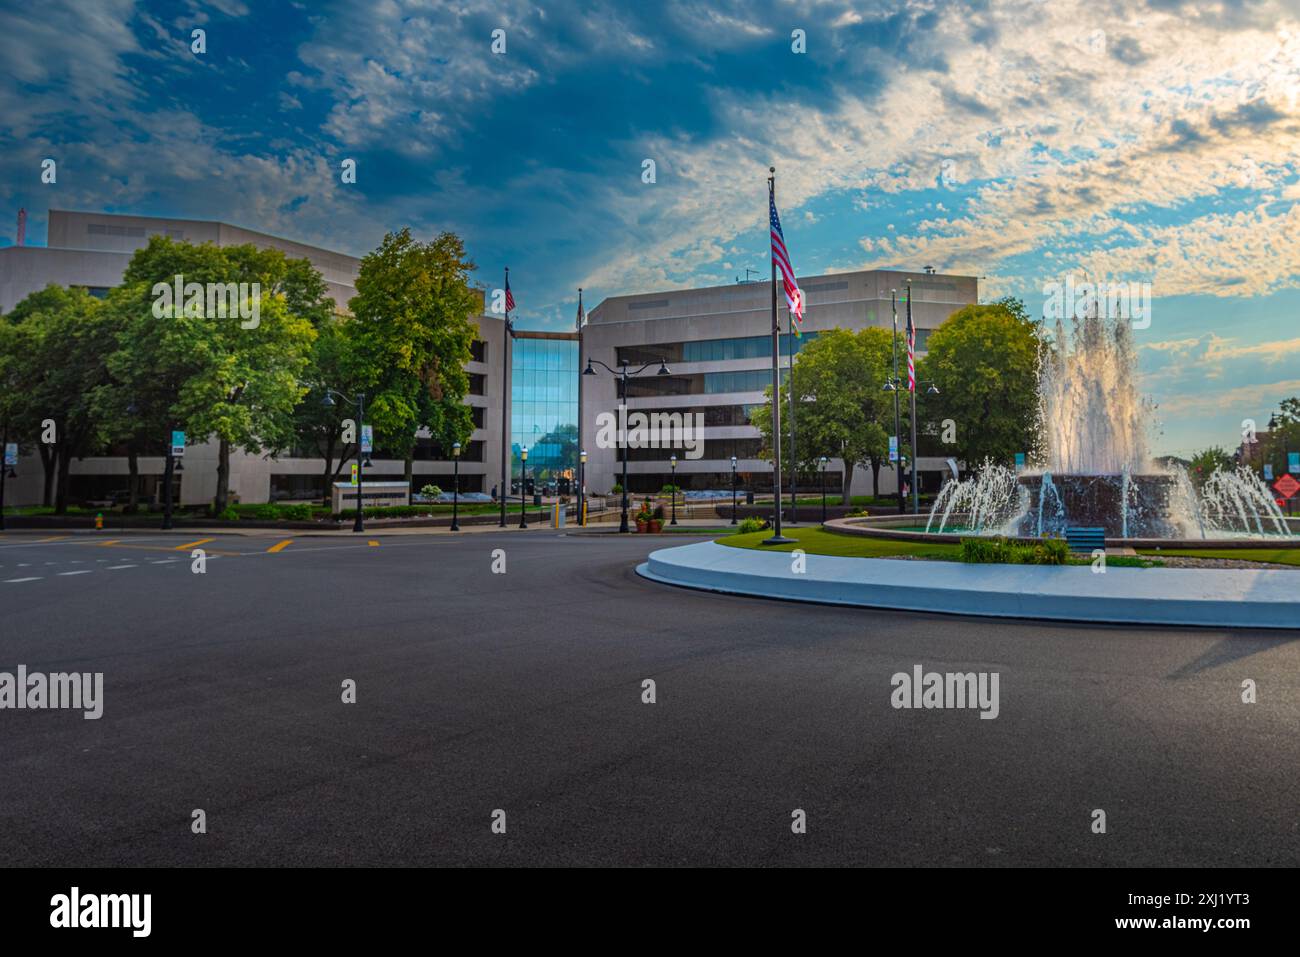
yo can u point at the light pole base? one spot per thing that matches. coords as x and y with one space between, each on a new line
778 540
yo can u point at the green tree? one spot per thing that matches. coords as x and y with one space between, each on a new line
842 410
1283 436
1204 463
53 356
409 339
984 361
216 376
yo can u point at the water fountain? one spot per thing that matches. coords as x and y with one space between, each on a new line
1094 468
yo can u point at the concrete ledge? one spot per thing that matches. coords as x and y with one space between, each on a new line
1225 598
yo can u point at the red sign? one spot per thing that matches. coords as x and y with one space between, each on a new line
1287 486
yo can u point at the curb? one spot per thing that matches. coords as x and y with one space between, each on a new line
1214 598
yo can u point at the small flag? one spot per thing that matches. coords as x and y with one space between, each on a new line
510 299
582 315
793 297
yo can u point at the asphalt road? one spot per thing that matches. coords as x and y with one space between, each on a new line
522 692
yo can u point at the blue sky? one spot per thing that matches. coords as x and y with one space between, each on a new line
1020 140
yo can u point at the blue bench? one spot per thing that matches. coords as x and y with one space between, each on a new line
1085 539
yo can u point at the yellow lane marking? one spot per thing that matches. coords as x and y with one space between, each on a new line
168 548
111 541
56 538
278 546
373 543
201 541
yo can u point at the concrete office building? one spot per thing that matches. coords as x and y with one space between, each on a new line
717 344
92 250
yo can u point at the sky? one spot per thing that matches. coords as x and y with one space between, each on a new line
1016 140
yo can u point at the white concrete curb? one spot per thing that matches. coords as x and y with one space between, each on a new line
1229 597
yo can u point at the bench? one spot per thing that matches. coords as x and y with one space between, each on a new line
1085 539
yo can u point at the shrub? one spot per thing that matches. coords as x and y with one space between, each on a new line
1052 551
229 514
431 492
617 489
269 512
999 551
296 513
670 490
750 524
658 513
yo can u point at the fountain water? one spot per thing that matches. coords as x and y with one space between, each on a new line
1095 463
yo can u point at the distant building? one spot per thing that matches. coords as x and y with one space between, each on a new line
717 344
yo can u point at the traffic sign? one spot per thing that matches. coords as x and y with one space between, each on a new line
354 473
178 443
11 453
1287 486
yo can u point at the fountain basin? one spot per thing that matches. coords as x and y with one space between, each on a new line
1133 506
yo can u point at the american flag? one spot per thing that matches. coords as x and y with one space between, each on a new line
793 297
582 316
510 299
911 346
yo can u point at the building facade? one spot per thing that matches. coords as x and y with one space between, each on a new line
716 342
92 250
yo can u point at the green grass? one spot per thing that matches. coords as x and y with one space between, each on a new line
814 541
1276 556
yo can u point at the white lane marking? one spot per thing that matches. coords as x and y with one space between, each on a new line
14 581
24 564
113 568
166 561
83 571
78 561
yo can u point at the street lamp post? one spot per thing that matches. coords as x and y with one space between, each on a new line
898 439
582 486
733 490
359 525
822 461
893 385
672 462
623 375
455 487
5 470
523 487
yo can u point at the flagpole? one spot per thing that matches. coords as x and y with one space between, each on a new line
898 438
582 477
794 457
777 538
911 385
505 406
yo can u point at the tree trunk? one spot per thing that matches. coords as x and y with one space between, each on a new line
49 459
845 498
133 479
875 478
410 467
327 477
61 493
223 477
